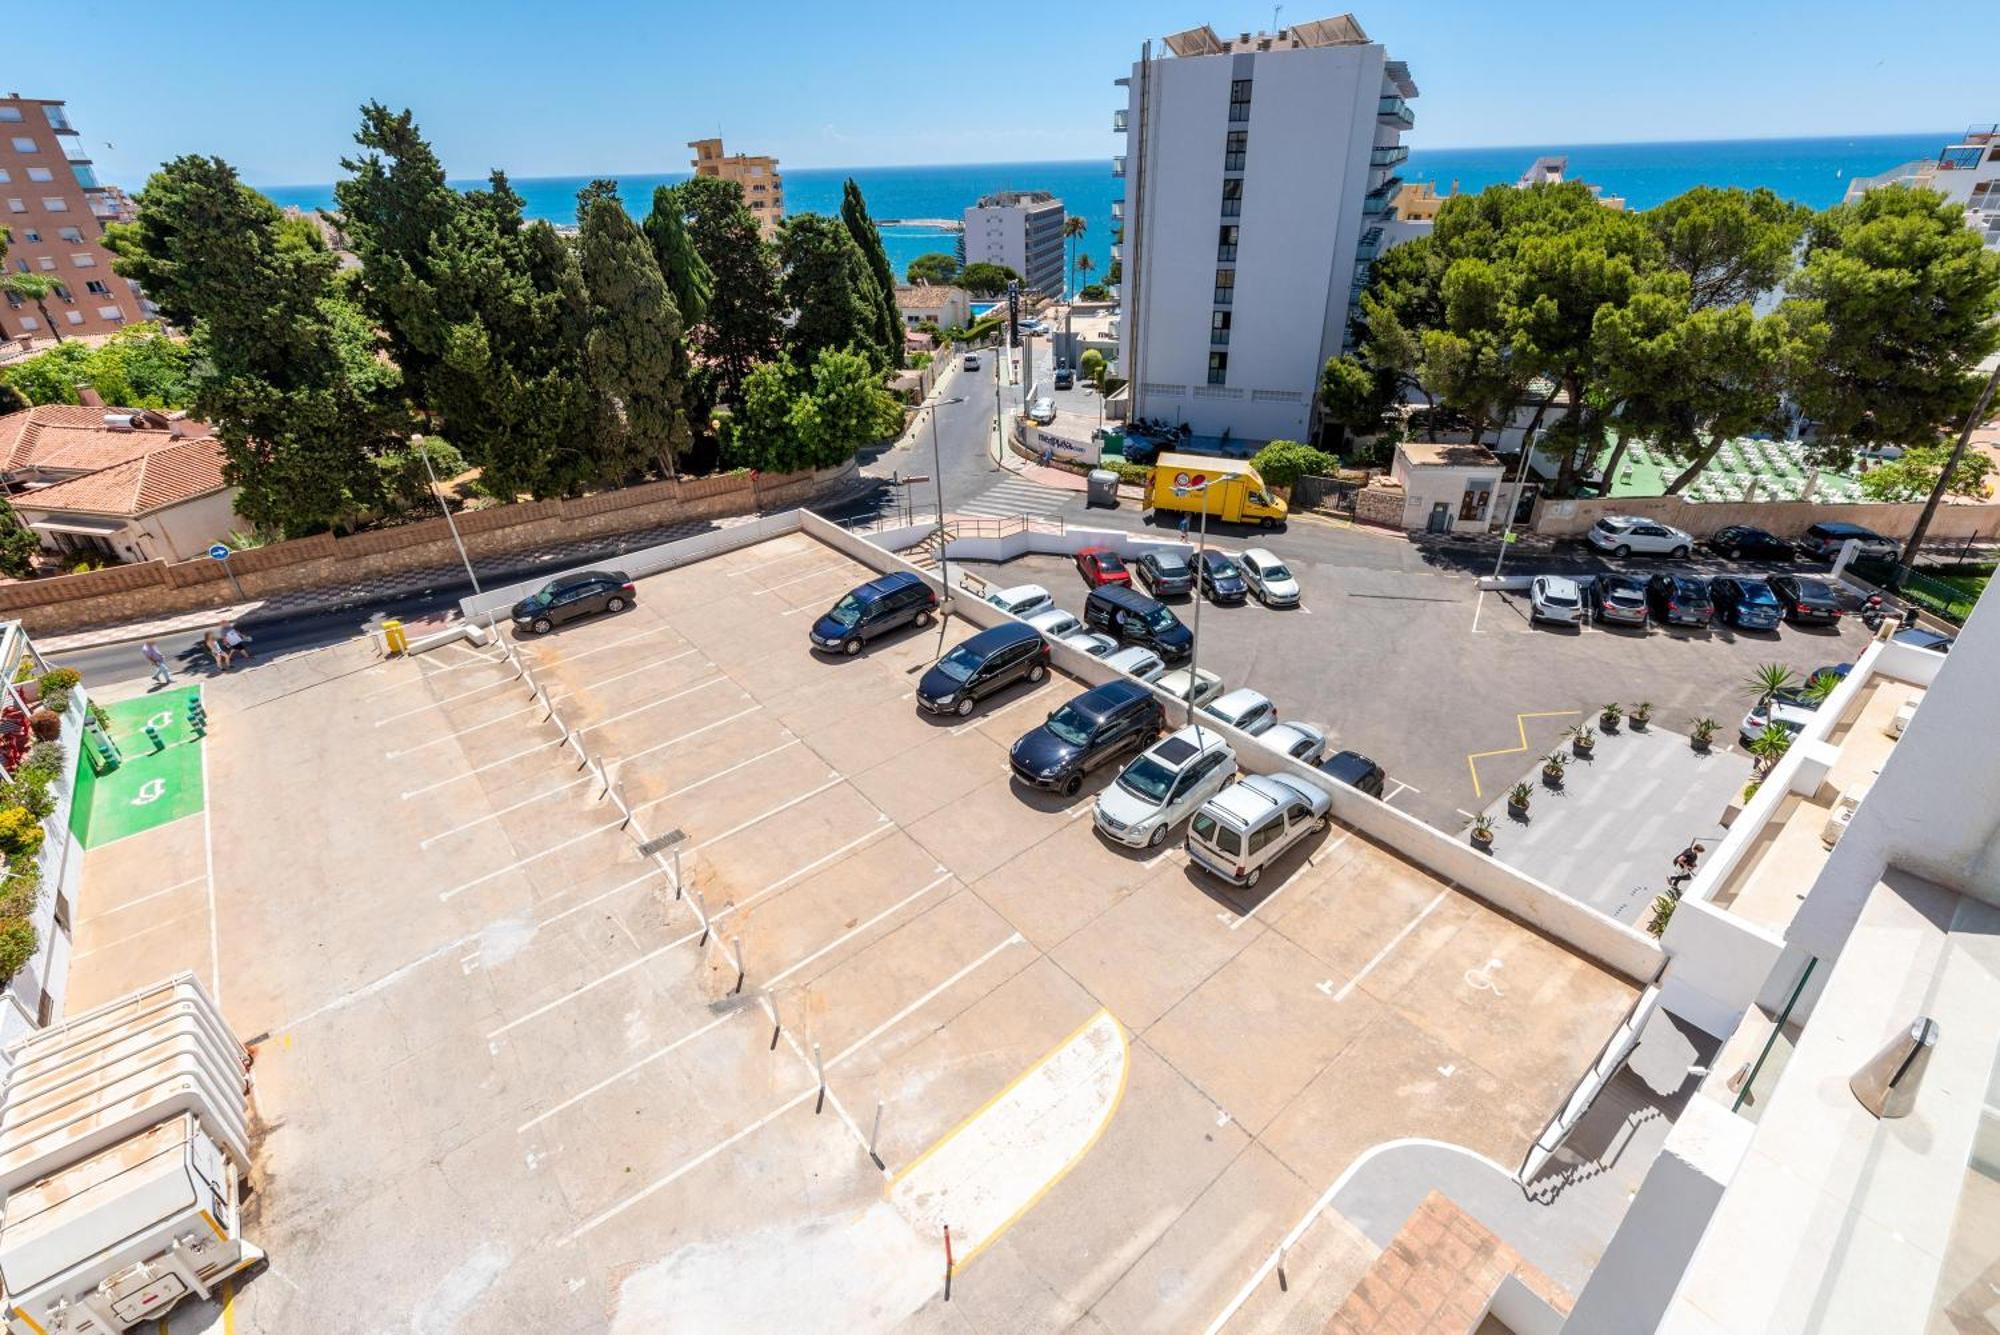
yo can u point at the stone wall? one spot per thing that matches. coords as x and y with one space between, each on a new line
158 588
1379 505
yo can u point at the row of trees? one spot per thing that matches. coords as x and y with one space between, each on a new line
1713 315
138 367
551 363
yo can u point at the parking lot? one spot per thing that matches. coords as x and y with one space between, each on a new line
1452 691
926 996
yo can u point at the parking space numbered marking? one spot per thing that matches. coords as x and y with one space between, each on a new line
1521 722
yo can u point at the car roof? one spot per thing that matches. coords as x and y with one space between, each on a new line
1214 556
999 637
1098 701
585 577
1619 579
1807 584
1133 653
1128 598
1262 554
1347 765
1238 701
1842 526
1097 550
902 579
1557 583
1168 556
1021 592
1303 731
1179 674
1255 794
1048 616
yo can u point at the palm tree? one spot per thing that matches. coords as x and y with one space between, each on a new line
1769 747
1768 680
33 287
1083 268
1073 227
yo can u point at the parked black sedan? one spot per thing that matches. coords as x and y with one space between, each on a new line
1747 604
1165 574
1741 540
567 597
1221 580
1618 600
1679 600
1806 599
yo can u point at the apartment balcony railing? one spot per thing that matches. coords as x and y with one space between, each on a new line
1118 167
73 148
85 175
1374 205
1395 111
1371 243
59 120
1389 155
1118 122
1117 254
1118 210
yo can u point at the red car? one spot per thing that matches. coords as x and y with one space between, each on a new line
1100 566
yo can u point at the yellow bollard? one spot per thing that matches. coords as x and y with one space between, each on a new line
394 641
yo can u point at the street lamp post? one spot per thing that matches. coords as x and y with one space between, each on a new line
937 469
437 493
1194 633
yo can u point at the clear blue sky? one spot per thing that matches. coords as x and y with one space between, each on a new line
619 86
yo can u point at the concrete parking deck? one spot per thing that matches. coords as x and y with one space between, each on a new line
505 1080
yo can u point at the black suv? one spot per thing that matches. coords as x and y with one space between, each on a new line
987 662
875 608
1104 722
1355 770
567 597
1165 574
1132 616
1679 600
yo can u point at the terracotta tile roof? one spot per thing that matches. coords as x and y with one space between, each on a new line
74 438
163 477
1437 1276
927 297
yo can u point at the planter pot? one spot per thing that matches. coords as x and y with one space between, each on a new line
1582 749
1518 810
1552 777
1607 724
1698 744
1483 840
1639 724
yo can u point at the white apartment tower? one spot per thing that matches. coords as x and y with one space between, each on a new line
1022 230
1258 172
1967 173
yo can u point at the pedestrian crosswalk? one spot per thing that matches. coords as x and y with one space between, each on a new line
1018 497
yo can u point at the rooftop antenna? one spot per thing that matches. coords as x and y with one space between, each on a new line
1275 11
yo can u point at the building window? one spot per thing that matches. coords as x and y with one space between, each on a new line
1239 101
83 261
1225 243
73 234
111 313
31 236
17 206
1225 286
74 317
1234 150
5 179
48 263
1218 368
94 286
23 144
1218 329
54 204
40 174
1232 197
10 114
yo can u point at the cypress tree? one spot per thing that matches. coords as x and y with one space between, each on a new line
745 315
868 237
633 348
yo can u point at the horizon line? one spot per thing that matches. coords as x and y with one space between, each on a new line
1065 162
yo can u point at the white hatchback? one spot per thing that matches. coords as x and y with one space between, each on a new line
1269 578
1197 686
1164 786
1304 742
1092 643
1251 711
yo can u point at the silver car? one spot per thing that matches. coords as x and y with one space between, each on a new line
1092 643
1141 663
1268 578
1054 623
1305 742
1248 825
1252 711
1197 686
1163 786
1622 535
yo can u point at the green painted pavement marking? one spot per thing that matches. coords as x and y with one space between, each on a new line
150 788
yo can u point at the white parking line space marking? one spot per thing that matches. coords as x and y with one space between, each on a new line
1478 606
559 693
660 1184
131 903
448 895
1400 789
601 648
832 781
741 764
1312 861
800 579
1394 941
778 560
387 719
512 806
1034 693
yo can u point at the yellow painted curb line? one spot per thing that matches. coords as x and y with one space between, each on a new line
1520 722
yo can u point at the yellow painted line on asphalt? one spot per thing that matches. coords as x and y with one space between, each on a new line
1521 722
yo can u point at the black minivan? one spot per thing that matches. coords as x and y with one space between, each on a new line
1104 722
875 608
1132 616
987 662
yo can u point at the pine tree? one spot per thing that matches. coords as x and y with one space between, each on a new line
687 274
745 315
633 350
868 238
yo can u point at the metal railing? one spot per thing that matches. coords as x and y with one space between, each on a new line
1777 1028
1940 597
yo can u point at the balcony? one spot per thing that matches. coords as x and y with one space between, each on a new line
58 120
1371 244
1395 111
1118 167
73 148
1388 155
85 176
1118 210
1218 338
1117 254
1118 122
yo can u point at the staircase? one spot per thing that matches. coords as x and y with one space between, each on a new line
924 556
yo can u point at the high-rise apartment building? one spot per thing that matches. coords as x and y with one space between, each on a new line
1967 173
54 210
1258 171
763 188
1023 230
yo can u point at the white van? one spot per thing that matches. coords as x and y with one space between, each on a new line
1245 827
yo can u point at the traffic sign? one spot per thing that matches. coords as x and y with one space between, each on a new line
219 552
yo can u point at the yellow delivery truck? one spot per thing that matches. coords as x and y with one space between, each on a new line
1234 495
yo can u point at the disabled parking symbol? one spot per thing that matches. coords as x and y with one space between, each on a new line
152 790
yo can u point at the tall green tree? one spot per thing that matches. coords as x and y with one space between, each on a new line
827 284
287 370
1914 475
1073 227
810 417
1904 300
1733 245
689 279
868 240
745 314
982 279
633 350
934 267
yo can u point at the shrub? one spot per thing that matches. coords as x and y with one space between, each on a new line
56 702
1130 472
43 758
17 946
22 891
1282 462
20 832
58 679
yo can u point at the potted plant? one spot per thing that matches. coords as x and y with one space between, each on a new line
1642 714
1663 911
1702 732
1769 747
1581 740
1552 769
1609 716
1482 833
1517 800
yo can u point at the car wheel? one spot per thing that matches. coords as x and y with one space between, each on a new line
615 605
1073 785
1250 881
1319 826
852 647
1158 837
1681 552
965 707
923 619
1623 549
542 626
1036 673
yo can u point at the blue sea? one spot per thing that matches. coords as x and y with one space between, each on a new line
1814 172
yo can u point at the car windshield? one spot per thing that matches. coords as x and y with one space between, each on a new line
1069 725
959 664
1626 594
1758 594
544 598
847 611
1220 567
1147 778
1276 572
1160 619
1812 588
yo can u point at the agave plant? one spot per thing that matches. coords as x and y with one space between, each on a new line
1702 731
1768 680
1819 687
1608 717
1519 796
1553 765
1769 747
1642 713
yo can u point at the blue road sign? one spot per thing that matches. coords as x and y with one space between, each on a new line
219 552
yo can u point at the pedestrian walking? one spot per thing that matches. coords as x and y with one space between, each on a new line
161 675
235 641
1184 528
212 642
1684 866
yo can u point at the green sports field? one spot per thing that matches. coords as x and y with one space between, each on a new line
150 788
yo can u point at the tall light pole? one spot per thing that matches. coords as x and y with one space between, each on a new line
1194 633
437 493
937 469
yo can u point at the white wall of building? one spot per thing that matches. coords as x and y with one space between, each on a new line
183 532
1025 237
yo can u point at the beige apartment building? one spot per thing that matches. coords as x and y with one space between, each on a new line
54 209
763 188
